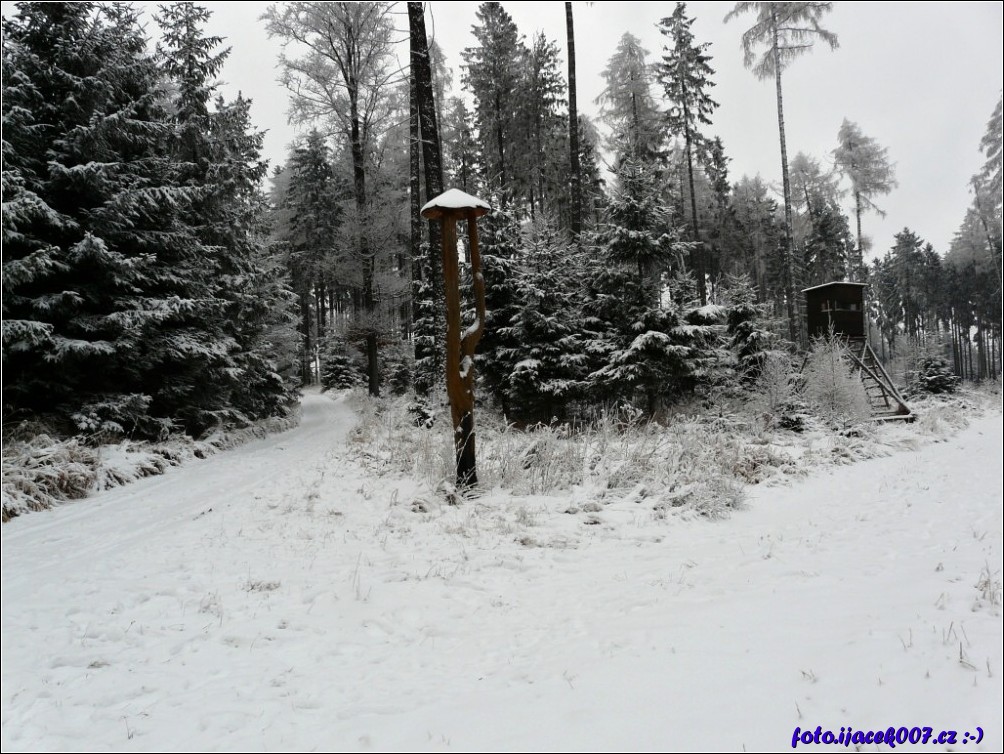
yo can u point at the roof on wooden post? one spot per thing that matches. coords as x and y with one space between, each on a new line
455 202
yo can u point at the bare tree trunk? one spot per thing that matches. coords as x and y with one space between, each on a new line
759 265
415 204
573 128
368 262
991 351
431 154
307 369
859 263
994 242
322 321
956 355
794 330
995 353
698 255
500 142
981 364
967 339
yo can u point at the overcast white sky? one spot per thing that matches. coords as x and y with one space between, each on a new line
920 78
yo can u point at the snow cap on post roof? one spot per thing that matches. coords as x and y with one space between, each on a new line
455 202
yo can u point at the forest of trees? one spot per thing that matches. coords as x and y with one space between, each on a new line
158 276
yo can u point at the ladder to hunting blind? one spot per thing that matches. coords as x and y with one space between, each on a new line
886 401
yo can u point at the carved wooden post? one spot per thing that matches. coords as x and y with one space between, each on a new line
449 207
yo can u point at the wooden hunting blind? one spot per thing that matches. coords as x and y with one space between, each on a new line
839 307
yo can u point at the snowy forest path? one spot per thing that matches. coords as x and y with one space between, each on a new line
148 574
80 531
282 597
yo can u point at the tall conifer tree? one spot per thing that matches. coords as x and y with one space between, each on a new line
867 166
98 269
686 73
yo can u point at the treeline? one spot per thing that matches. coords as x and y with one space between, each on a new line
602 285
150 284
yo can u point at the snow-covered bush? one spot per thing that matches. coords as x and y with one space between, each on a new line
832 385
775 394
340 368
397 370
936 376
41 470
750 336
905 362
687 464
690 465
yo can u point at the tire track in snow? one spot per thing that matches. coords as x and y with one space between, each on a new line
83 530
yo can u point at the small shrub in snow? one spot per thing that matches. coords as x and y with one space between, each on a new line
832 385
340 372
753 464
749 333
397 367
793 416
714 497
853 447
989 587
40 471
399 377
341 368
776 393
422 414
935 376
127 461
905 362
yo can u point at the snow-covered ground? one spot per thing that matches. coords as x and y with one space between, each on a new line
278 596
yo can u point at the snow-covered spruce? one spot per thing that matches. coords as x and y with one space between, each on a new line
139 293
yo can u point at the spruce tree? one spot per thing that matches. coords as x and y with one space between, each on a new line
492 75
499 251
821 229
761 237
313 206
686 73
750 339
88 260
542 168
545 354
133 299
722 229
219 160
637 341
